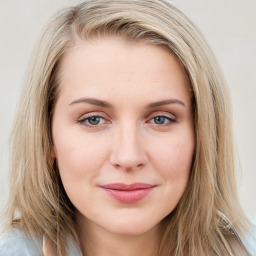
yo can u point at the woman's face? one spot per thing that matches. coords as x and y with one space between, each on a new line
123 133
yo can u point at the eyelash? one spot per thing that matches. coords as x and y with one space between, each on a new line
84 121
167 119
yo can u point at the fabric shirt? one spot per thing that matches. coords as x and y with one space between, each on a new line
249 240
16 243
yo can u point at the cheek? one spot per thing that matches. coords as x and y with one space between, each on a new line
173 159
79 156
79 161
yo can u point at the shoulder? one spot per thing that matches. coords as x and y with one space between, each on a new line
72 248
249 238
15 241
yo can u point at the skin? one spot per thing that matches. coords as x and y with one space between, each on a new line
129 144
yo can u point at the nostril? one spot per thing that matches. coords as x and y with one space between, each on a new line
128 167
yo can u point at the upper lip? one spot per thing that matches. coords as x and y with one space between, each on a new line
127 187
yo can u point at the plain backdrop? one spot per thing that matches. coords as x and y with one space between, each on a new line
228 25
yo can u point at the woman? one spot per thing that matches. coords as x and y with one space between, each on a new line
122 144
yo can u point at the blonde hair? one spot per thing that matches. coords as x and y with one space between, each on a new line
38 200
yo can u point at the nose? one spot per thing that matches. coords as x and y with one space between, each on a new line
128 152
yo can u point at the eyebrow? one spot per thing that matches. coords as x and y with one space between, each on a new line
165 102
92 101
102 103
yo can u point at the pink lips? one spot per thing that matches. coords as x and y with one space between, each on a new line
128 193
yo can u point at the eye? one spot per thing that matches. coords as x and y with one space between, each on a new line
92 120
162 120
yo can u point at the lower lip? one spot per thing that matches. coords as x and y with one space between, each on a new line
128 196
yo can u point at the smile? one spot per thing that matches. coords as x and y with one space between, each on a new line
128 193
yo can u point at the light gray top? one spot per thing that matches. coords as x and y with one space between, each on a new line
16 243
249 240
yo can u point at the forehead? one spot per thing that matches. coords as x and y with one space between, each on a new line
112 64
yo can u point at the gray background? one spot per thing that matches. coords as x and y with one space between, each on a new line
228 25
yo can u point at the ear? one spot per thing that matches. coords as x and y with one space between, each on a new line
53 155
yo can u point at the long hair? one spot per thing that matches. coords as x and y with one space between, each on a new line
38 203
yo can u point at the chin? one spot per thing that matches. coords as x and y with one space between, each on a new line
132 228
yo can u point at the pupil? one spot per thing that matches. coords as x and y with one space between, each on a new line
94 120
159 119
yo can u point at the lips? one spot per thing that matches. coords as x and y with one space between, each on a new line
130 193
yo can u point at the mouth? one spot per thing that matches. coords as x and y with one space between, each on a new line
130 193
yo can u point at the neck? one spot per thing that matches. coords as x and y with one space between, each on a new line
96 241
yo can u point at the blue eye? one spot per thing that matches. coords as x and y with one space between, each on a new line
163 120
159 119
92 121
